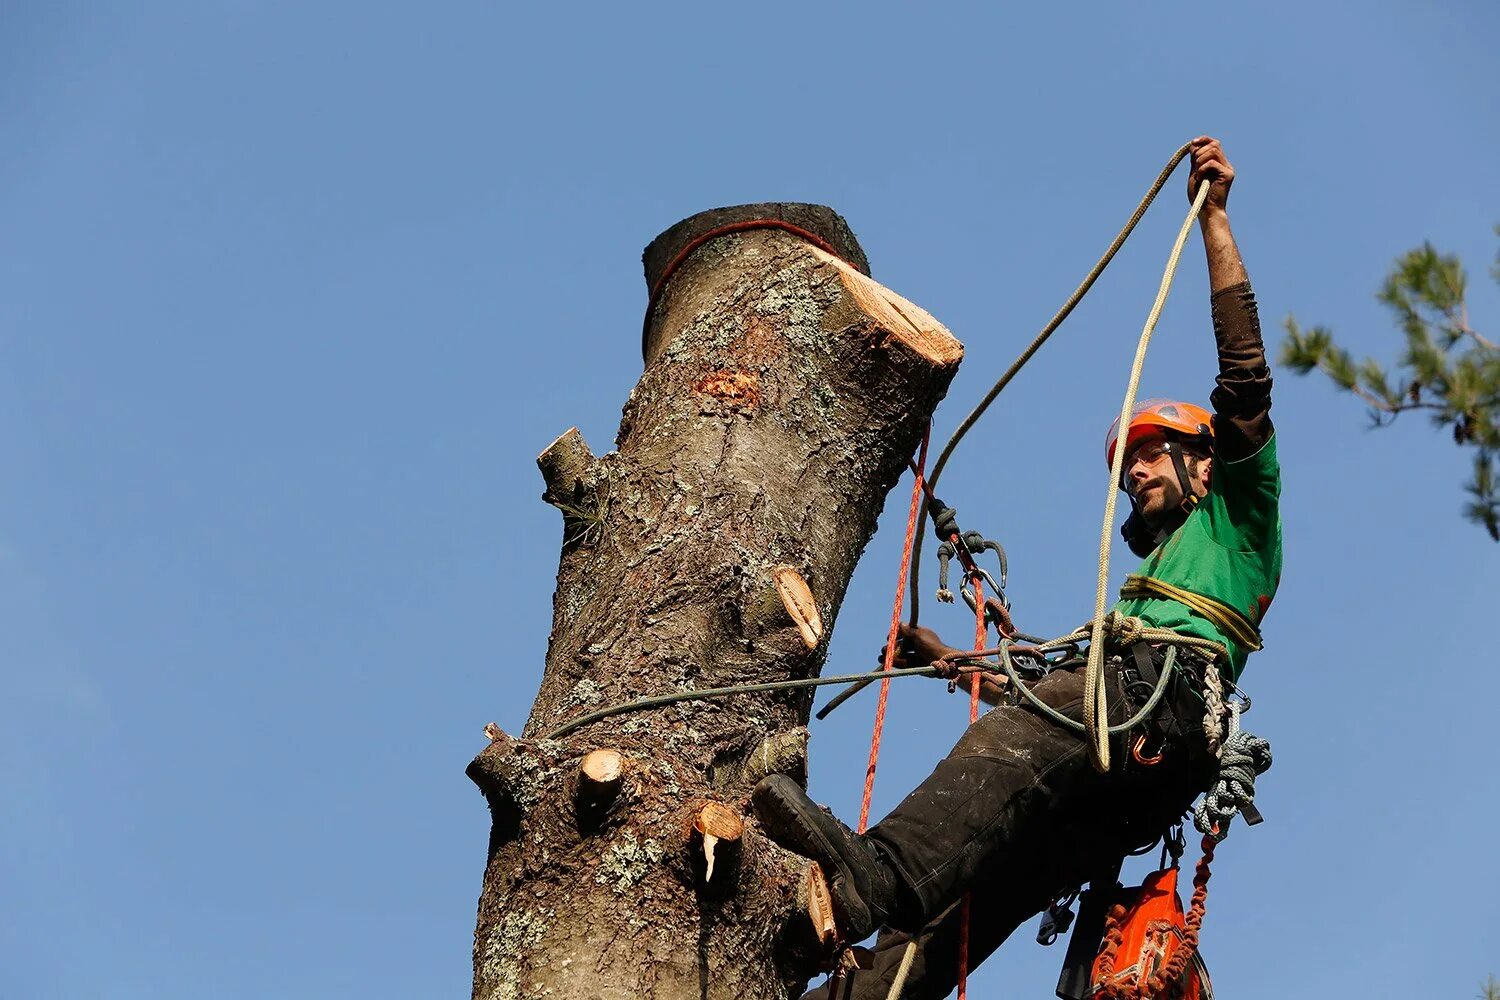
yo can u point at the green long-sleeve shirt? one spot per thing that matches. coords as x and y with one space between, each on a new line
1229 547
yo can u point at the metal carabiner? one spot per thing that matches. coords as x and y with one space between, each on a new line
977 544
990 615
1144 761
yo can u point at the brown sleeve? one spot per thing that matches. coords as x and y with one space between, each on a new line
1242 399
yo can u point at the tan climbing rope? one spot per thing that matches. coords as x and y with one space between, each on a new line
1095 692
904 970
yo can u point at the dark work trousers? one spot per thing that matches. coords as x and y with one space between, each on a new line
1018 815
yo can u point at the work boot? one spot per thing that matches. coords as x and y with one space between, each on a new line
863 885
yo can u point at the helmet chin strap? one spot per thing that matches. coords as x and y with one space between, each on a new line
1189 497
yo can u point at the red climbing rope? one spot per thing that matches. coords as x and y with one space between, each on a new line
912 519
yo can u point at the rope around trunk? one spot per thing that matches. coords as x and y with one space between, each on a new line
704 694
1095 692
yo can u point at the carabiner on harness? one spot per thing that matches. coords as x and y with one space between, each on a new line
1056 919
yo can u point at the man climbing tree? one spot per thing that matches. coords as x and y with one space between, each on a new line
1016 813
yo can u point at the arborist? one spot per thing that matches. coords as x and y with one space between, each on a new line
1016 813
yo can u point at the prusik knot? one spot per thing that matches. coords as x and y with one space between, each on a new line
1124 629
944 519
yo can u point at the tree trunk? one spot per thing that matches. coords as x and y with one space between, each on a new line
783 393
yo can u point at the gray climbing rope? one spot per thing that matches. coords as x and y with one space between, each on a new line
705 694
1242 757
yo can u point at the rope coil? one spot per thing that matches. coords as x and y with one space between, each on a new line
1244 756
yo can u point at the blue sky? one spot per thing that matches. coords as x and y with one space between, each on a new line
293 294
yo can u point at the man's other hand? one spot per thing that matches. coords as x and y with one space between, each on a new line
917 646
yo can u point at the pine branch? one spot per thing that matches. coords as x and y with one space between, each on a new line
1484 509
1459 387
1462 325
1306 350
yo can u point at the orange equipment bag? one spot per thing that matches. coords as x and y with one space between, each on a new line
1150 949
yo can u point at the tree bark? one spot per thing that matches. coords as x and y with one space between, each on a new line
783 394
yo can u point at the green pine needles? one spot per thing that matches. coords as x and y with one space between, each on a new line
1447 368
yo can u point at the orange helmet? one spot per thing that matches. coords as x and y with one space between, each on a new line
1179 420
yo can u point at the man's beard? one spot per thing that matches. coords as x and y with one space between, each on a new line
1154 499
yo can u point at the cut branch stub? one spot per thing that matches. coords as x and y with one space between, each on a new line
779 753
601 770
599 776
719 828
494 770
797 597
498 773
566 464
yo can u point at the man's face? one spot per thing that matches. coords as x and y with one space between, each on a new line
1151 477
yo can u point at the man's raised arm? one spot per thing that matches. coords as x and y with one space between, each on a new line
1242 398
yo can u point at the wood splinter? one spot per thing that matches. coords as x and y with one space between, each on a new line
716 823
820 906
797 597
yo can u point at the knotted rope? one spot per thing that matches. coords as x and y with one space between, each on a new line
1242 757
